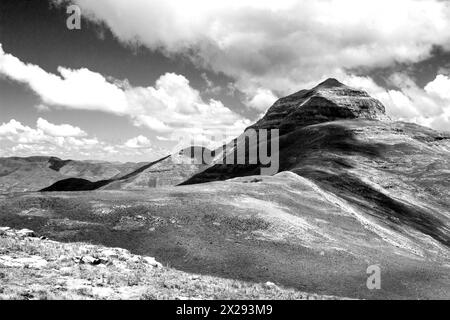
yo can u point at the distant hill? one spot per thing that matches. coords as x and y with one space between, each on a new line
168 171
35 173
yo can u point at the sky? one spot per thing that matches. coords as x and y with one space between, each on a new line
140 75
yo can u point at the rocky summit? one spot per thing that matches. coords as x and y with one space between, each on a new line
330 100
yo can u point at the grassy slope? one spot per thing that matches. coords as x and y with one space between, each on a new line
367 192
51 271
283 229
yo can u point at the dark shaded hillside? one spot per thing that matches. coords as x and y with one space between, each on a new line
56 163
397 172
168 171
74 184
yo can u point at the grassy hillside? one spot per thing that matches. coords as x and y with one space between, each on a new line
284 229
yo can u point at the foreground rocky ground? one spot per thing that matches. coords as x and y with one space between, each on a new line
33 267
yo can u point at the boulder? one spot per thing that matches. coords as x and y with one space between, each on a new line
26 233
110 253
90 260
151 261
32 262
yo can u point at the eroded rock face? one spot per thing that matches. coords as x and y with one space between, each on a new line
329 101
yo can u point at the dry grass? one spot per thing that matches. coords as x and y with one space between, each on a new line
125 276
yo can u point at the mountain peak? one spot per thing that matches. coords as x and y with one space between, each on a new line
330 100
330 83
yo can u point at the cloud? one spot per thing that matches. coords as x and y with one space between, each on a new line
439 87
210 87
67 141
139 142
280 45
168 106
428 106
262 99
63 130
171 105
46 133
75 89
286 45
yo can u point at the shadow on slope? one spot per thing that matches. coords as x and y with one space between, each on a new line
193 231
323 153
75 184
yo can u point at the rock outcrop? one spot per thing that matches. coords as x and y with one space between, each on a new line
329 101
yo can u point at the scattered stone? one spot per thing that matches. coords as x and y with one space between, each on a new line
32 262
110 253
66 270
151 261
90 260
26 233
83 251
270 285
63 258
5 229
7 261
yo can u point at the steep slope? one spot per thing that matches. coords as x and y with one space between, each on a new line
394 171
169 171
34 173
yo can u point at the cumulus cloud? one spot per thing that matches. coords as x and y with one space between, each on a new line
62 130
262 99
45 133
76 89
439 87
67 141
279 45
170 105
139 142
428 106
286 45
